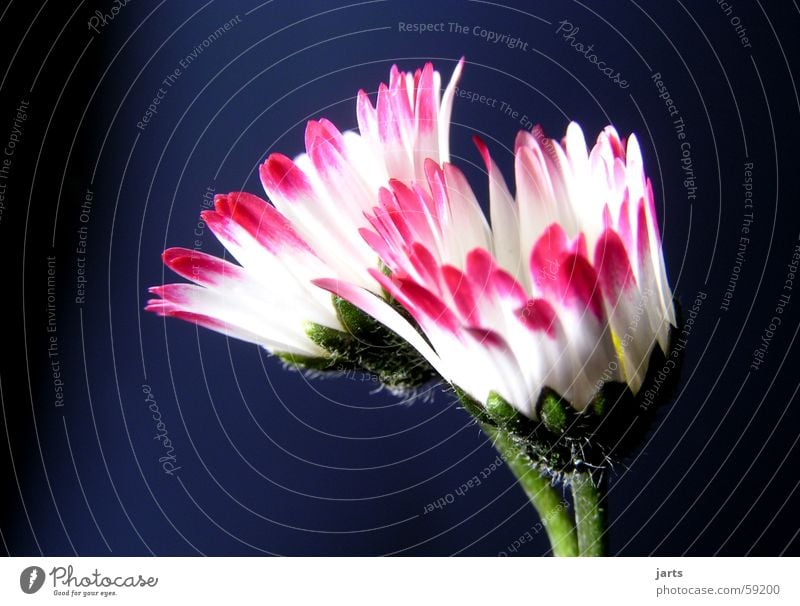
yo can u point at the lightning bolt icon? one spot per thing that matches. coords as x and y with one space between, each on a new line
32 579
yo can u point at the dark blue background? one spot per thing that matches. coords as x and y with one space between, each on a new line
273 463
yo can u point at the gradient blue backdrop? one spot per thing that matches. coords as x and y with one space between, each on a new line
272 463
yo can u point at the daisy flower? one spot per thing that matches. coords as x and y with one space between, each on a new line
566 290
374 253
309 228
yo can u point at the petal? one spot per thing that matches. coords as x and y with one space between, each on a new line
426 112
260 219
283 180
612 265
546 257
446 111
199 267
504 215
461 291
237 316
626 308
577 281
420 302
539 315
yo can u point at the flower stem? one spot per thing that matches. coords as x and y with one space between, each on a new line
589 501
553 512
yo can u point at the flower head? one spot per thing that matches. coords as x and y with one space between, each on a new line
310 229
374 254
325 192
268 299
566 290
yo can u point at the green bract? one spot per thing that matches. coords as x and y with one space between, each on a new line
364 346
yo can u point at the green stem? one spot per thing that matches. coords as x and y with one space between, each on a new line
553 512
589 512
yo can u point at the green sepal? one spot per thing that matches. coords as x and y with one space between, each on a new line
554 411
501 412
368 346
353 320
331 340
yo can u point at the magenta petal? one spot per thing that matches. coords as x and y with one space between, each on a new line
425 302
617 146
386 227
427 105
546 257
462 293
199 267
394 76
408 200
435 178
488 337
479 268
400 102
399 220
484 152
325 156
173 295
414 204
421 303
378 244
324 130
507 287
387 199
388 125
403 208
539 315
579 246
260 219
281 175
159 307
577 282
612 265
425 263
222 227
404 196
